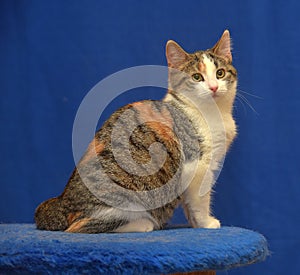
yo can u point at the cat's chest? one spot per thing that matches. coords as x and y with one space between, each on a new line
215 131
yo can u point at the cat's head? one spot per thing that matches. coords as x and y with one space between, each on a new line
207 74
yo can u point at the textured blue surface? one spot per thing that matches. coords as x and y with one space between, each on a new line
23 249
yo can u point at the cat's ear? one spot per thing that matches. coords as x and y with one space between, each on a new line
223 47
175 54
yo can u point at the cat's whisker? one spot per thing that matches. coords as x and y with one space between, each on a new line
242 103
246 101
249 94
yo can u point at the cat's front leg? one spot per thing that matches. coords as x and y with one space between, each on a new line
197 211
198 214
197 206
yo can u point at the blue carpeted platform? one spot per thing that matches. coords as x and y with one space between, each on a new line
25 250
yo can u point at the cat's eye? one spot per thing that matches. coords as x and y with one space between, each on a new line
220 73
197 77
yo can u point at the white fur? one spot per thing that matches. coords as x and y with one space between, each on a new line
209 76
142 225
215 144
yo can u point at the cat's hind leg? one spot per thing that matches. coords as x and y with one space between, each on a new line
91 225
106 219
88 225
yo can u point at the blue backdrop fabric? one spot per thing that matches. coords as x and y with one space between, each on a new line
53 52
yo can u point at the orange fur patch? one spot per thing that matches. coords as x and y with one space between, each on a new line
147 114
202 67
76 226
95 148
72 217
163 131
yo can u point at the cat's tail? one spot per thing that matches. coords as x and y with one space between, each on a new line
50 215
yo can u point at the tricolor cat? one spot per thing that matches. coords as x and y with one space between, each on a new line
126 182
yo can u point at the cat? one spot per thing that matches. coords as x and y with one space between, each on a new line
93 200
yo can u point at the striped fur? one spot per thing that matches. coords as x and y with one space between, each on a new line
185 141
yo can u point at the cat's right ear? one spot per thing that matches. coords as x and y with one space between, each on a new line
175 54
223 47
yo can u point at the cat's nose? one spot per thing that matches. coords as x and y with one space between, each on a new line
213 88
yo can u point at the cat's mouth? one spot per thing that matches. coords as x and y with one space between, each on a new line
218 94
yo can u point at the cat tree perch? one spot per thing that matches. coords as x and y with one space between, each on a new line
25 250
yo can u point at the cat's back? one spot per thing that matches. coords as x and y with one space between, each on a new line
136 147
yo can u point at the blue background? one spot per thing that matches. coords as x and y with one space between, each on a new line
53 52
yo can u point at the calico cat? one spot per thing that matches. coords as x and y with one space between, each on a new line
166 152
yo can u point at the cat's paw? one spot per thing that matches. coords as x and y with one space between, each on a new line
211 222
142 225
145 226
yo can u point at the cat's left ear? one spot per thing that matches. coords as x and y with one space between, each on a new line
175 54
223 47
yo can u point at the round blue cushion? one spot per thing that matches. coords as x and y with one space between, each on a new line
23 249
